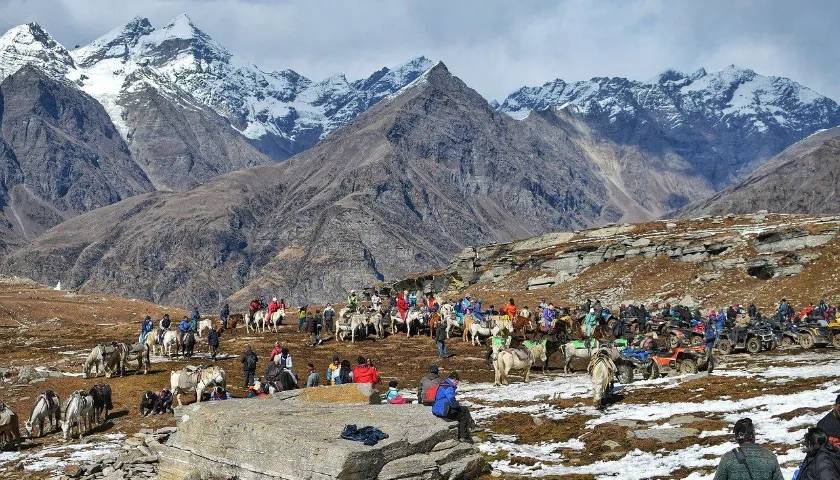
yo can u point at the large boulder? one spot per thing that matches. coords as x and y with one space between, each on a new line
285 437
360 393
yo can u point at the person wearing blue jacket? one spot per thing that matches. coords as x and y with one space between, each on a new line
710 337
446 406
145 328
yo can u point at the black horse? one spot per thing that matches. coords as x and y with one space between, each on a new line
101 394
187 344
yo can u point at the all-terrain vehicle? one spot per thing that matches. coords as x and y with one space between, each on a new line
834 332
687 335
813 334
683 360
753 338
631 360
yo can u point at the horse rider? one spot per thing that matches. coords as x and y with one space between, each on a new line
352 301
195 316
412 299
145 328
273 306
376 301
163 326
224 315
254 306
548 315
589 323
183 328
432 303
402 305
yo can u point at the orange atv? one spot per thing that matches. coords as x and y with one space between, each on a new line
683 360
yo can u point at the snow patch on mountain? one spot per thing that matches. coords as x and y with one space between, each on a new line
30 44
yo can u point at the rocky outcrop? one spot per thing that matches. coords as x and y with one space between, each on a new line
284 437
761 247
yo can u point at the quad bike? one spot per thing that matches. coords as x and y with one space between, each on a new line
752 338
658 324
834 332
812 334
631 361
683 335
683 360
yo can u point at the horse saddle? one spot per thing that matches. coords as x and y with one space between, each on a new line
108 349
523 355
582 344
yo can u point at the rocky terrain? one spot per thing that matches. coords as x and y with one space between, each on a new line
60 155
723 124
404 186
709 261
801 179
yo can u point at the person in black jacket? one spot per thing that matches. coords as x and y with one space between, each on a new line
224 315
830 423
249 365
213 342
822 459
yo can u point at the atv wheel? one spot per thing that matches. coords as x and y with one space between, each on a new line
726 347
754 345
835 340
696 340
806 340
653 371
787 342
688 366
674 341
625 374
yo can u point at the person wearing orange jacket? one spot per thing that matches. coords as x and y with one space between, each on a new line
510 309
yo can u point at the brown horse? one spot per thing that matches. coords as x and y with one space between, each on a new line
234 320
434 318
523 325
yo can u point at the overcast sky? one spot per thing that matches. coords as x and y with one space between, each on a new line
494 46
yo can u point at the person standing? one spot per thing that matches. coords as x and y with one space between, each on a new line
329 316
709 339
213 342
440 338
822 459
830 423
224 315
301 318
748 461
249 365
318 321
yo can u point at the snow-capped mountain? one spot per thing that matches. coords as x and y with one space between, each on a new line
282 111
30 44
724 122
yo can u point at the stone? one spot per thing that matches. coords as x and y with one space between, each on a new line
73 471
684 419
351 393
107 470
420 446
26 375
611 444
663 435
535 283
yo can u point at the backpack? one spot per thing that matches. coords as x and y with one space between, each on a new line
431 393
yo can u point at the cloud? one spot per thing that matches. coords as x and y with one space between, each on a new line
495 46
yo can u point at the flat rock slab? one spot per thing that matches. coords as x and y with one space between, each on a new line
664 435
285 437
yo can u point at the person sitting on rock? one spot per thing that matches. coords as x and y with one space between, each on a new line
345 373
332 370
274 351
393 396
447 406
219 393
428 386
365 372
312 377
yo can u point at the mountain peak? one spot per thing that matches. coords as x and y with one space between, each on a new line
115 44
30 44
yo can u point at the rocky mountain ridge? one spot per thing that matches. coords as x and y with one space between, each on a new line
723 123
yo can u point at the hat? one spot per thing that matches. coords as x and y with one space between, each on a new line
591 310
744 430
434 369
274 299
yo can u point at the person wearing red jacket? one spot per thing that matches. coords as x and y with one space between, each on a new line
402 305
510 309
274 351
254 306
273 306
365 372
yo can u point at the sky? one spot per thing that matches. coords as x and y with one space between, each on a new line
494 46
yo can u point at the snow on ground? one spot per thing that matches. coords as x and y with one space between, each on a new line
57 456
775 417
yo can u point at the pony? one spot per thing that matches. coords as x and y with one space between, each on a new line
601 370
475 329
517 359
342 325
153 343
277 320
77 414
581 349
253 322
101 395
47 407
187 344
170 342
378 321
9 427
233 321
142 353
412 320
195 379
524 325
105 358
203 326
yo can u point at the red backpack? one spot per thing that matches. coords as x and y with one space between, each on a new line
431 393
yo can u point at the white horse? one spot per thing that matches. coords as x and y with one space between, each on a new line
276 319
195 379
477 330
517 359
78 414
447 314
582 349
203 326
47 407
170 342
342 326
9 429
255 322
412 317
378 321
601 370
105 358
